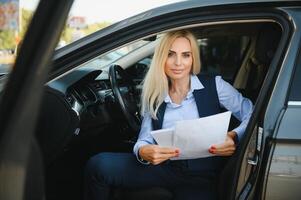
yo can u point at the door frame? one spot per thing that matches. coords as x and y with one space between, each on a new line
19 105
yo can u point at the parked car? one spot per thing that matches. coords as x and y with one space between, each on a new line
4 69
55 115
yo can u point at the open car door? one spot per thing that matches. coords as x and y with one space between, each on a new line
21 169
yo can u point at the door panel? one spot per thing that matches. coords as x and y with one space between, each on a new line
284 178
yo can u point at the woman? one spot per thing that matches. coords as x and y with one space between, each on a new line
172 91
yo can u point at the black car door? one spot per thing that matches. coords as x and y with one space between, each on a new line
265 141
20 164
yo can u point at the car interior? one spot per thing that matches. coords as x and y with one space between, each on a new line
96 109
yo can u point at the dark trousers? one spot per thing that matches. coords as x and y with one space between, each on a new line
186 180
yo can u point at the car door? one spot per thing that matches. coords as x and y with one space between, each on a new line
270 166
20 162
283 171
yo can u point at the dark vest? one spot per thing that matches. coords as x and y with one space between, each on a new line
207 103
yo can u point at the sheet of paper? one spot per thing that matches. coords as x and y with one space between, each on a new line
163 137
194 137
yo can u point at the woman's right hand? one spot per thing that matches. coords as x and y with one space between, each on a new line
156 154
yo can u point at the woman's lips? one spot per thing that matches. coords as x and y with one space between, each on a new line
177 71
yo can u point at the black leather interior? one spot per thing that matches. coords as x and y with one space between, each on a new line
266 45
56 126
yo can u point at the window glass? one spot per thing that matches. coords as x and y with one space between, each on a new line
295 94
105 59
223 55
87 17
15 16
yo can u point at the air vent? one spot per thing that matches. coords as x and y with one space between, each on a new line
87 94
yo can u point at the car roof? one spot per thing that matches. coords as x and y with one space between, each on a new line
190 4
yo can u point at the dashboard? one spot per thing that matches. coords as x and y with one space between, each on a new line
83 90
79 103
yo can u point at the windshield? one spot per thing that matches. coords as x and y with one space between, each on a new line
105 59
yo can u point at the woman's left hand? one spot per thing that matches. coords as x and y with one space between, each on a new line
226 148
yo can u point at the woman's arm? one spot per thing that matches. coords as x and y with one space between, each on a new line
233 101
144 137
240 107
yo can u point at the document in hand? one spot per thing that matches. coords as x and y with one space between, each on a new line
164 137
194 137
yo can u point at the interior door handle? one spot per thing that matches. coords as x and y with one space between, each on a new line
253 161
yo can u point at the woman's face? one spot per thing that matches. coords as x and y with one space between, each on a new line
179 60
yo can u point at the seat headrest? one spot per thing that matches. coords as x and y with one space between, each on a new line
267 43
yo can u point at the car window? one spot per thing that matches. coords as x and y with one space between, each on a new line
105 59
86 18
15 16
295 94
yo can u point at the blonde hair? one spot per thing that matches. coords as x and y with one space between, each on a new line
155 85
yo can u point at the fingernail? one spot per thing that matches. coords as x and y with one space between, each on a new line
213 147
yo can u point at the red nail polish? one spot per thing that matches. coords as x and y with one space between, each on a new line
213 147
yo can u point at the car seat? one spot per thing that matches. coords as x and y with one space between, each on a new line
258 64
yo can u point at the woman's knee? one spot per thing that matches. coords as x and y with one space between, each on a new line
109 168
99 166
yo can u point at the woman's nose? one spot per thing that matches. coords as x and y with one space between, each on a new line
178 60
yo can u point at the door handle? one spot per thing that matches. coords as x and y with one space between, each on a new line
253 161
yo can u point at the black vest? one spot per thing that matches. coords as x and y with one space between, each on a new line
207 103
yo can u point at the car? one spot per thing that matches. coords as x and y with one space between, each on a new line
56 111
4 69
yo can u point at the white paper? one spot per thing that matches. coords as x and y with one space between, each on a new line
194 137
164 137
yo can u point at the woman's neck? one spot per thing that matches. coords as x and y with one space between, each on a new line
179 89
180 86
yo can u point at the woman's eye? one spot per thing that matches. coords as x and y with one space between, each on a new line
170 54
186 55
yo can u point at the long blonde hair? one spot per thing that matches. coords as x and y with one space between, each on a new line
155 85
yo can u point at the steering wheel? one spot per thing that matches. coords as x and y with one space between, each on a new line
125 96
